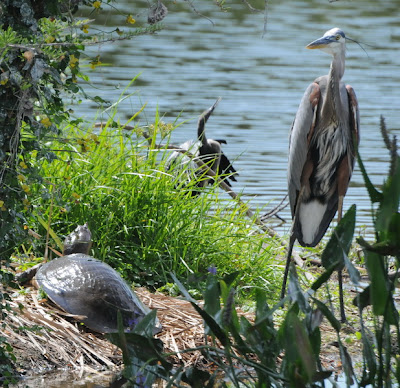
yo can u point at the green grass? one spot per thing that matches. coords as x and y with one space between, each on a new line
141 224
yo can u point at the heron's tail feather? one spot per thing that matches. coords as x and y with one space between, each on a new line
313 220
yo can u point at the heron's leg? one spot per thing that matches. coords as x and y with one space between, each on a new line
291 242
340 277
341 301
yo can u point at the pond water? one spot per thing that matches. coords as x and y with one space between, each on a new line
68 379
261 78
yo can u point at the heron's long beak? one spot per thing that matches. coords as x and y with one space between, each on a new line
319 43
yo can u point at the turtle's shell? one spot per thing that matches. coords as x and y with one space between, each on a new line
82 285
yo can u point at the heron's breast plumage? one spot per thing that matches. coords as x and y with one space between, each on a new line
328 149
331 138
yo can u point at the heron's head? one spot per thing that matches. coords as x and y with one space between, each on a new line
333 42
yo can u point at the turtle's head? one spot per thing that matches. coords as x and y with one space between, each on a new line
79 241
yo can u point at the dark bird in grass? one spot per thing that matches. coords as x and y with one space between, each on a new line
208 151
322 149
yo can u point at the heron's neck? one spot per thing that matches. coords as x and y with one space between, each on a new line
332 103
338 65
201 135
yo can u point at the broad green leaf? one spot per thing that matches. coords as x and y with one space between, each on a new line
239 330
138 346
147 325
369 356
261 304
397 368
354 274
208 319
224 291
230 278
394 233
378 287
213 325
228 311
212 296
389 247
347 364
295 291
328 314
340 241
363 299
315 340
381 298
324 277
321 376
182 289
298 350
316 318
195 377
389 204
374 194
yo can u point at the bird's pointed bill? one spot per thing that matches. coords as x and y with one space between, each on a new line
320 43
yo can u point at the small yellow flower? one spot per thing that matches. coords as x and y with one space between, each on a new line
26 227
63 210
50 39
96 62
73 61
85 28
1 203
21 178
130 19
26 203
97 4
76 196
46 122
26 188
23 164
94 138
4 81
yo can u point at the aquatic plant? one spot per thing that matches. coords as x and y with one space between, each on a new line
246 353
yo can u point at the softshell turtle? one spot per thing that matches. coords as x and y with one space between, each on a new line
82 285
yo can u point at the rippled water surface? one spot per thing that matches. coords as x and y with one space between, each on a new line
261 79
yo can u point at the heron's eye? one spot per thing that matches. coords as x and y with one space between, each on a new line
337 37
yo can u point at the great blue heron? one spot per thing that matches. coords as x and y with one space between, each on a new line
207 150
322 147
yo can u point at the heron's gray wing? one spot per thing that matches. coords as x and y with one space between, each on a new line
226 168
354 118
182 166
302 128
